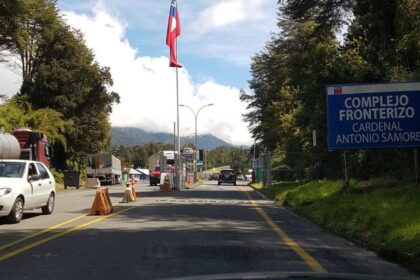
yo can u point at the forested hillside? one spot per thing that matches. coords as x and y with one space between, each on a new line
132 136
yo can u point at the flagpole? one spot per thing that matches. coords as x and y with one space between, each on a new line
170 37
178 175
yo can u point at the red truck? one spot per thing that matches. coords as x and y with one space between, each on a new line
25 144
154 175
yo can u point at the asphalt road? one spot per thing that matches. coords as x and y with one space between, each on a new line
207 230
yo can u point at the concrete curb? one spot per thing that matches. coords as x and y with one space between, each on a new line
198 183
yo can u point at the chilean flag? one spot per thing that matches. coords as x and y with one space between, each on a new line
338 90
174 30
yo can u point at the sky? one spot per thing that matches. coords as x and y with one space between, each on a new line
218 39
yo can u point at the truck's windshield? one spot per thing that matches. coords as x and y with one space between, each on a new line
12 169
157 168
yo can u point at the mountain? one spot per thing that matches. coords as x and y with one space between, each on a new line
131 136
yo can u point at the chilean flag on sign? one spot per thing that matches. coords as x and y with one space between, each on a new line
174 30
338 90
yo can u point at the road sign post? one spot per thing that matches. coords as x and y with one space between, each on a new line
346 172
416 166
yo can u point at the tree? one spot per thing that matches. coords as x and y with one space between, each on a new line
66 78
23 24
137 156
17 115
237 158
328 14
59 75
289 76
288 80
386 34
240 160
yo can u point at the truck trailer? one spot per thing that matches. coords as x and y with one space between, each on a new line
25 144
105 167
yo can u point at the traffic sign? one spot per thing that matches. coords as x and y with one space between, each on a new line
369 116
257 163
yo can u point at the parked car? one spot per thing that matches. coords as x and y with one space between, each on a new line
214 176
25 185
227 176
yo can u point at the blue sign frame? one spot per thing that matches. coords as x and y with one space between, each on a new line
373 116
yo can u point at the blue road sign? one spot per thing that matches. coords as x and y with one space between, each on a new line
370 116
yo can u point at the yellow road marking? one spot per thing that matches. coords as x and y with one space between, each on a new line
68 231
35 234
306 257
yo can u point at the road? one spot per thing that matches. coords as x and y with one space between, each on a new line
207 230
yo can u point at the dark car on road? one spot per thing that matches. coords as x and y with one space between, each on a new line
227 176
154 177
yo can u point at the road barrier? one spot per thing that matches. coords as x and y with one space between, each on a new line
190 180
92 183
133 188
128 194
102 204
166 187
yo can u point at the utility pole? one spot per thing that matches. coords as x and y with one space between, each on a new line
205 164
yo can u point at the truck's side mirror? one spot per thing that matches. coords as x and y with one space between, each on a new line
34 177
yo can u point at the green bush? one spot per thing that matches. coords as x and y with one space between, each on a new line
58 176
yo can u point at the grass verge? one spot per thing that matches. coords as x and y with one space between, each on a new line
382 215
257 186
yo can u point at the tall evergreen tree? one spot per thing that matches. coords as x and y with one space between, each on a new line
66 78
289 76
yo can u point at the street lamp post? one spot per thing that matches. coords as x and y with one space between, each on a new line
196 137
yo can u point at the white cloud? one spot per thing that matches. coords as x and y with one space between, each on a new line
219 15
222 14
147 85
231 30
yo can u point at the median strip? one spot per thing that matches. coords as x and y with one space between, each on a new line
305 256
